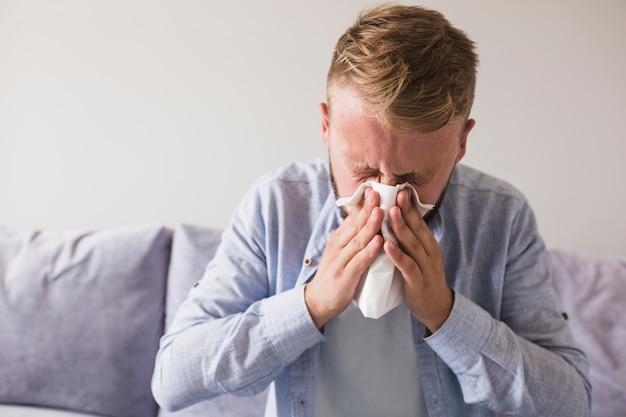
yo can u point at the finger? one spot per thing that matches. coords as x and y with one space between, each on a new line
364 258
346 246
405 201
405 263
410 239
410 223
364 237
358 217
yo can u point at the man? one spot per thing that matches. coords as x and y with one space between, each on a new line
479 332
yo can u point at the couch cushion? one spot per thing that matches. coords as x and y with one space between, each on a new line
192 249
81 317
28 411
592 290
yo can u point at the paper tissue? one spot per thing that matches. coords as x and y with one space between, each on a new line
381 290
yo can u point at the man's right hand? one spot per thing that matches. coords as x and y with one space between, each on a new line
350 251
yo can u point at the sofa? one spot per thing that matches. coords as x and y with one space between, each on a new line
82 312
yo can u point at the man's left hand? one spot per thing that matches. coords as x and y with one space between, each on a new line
418 257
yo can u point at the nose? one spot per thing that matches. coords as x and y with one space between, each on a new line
388 179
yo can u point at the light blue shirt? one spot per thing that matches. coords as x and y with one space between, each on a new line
505 348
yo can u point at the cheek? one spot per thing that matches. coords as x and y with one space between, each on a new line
339 175
346 184
429 195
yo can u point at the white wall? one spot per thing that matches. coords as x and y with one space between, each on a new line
124 112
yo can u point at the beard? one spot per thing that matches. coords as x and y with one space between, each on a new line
433 212
427 217
333 181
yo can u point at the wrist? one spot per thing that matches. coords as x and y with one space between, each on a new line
435 324
319 319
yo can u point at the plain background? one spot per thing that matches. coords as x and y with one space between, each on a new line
115 113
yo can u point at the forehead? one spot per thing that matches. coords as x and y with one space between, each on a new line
360 136
361 147
346 104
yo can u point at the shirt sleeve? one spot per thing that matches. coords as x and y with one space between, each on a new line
524 361
234 333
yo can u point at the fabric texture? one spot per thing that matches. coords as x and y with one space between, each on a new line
28 411
192 248
593 292
81 314
367 367
502 348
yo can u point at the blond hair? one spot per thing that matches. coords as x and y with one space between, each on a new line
413 69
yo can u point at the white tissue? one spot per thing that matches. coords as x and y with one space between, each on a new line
381 290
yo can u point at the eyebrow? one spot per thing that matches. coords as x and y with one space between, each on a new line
366 169
361 167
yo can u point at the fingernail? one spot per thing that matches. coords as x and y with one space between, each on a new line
403 197
368 196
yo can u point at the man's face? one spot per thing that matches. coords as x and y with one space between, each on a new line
361 149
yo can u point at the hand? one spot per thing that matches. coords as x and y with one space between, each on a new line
418 257
350 251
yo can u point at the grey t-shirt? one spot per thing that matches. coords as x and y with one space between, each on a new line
368 367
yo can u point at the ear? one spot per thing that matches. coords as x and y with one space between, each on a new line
325 124
463 141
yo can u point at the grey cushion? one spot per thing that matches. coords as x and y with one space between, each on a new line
81 314
192 249
592 290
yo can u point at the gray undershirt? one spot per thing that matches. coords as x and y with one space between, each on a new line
368 367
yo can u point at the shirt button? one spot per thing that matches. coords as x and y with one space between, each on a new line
307 261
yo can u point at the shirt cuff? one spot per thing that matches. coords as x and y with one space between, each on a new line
463 335
288 324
